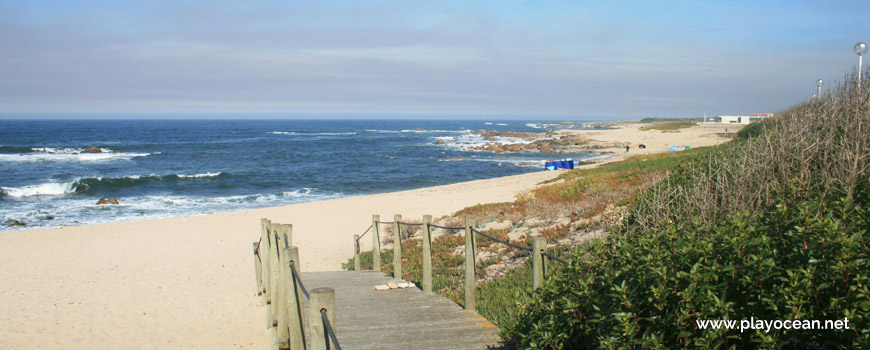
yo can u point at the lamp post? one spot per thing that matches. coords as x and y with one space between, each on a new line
819 84
860 49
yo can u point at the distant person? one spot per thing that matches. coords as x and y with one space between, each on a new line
626 148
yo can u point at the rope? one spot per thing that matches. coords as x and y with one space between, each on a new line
364 233
386 222
328 327
551 256
299 280
447 228
409 224
500 241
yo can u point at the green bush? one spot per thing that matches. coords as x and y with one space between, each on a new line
751 130
804 259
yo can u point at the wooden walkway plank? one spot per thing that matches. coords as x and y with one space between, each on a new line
399 318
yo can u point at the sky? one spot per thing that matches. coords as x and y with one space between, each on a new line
553 60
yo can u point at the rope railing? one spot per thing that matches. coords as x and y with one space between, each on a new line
329 331
364 233
446 227
299 280
276 262
551 256
539 255
500 241
410 223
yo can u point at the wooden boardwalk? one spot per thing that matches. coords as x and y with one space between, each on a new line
399 318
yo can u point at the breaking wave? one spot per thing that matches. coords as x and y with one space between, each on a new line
91 185
43 154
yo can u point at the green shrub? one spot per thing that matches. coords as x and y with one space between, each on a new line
751 130
803 259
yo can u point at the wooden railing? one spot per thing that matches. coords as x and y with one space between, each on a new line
538 252
276 264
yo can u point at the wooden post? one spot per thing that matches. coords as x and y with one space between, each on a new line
264 258
538 246
376 243
427 253
258 268
282 332
295 302
356 263
274 281
287 232
321 298
397 247
470 277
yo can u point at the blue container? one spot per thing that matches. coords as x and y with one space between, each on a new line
564 164
571 164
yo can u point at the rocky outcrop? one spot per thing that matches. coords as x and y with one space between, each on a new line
93 150
547 145
17 223
439 142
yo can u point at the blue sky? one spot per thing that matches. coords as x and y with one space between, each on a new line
443 59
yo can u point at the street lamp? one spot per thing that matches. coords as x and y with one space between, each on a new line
819 84
860 49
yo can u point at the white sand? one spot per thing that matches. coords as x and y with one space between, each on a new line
188 282
656 141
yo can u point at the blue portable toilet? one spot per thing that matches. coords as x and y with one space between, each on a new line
564 164
570 164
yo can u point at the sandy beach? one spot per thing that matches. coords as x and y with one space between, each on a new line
188 282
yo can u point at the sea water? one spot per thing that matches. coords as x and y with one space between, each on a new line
168 168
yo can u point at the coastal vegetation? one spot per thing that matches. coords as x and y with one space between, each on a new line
667 120
770 226
668 126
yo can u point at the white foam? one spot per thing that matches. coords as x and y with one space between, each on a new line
44 189
78 210
198 176
48 154
313 133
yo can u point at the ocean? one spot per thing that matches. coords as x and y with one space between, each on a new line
170 168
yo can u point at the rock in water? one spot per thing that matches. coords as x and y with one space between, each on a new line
439 142
107 201
93 150
17 223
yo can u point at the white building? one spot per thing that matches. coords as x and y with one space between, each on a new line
743 119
